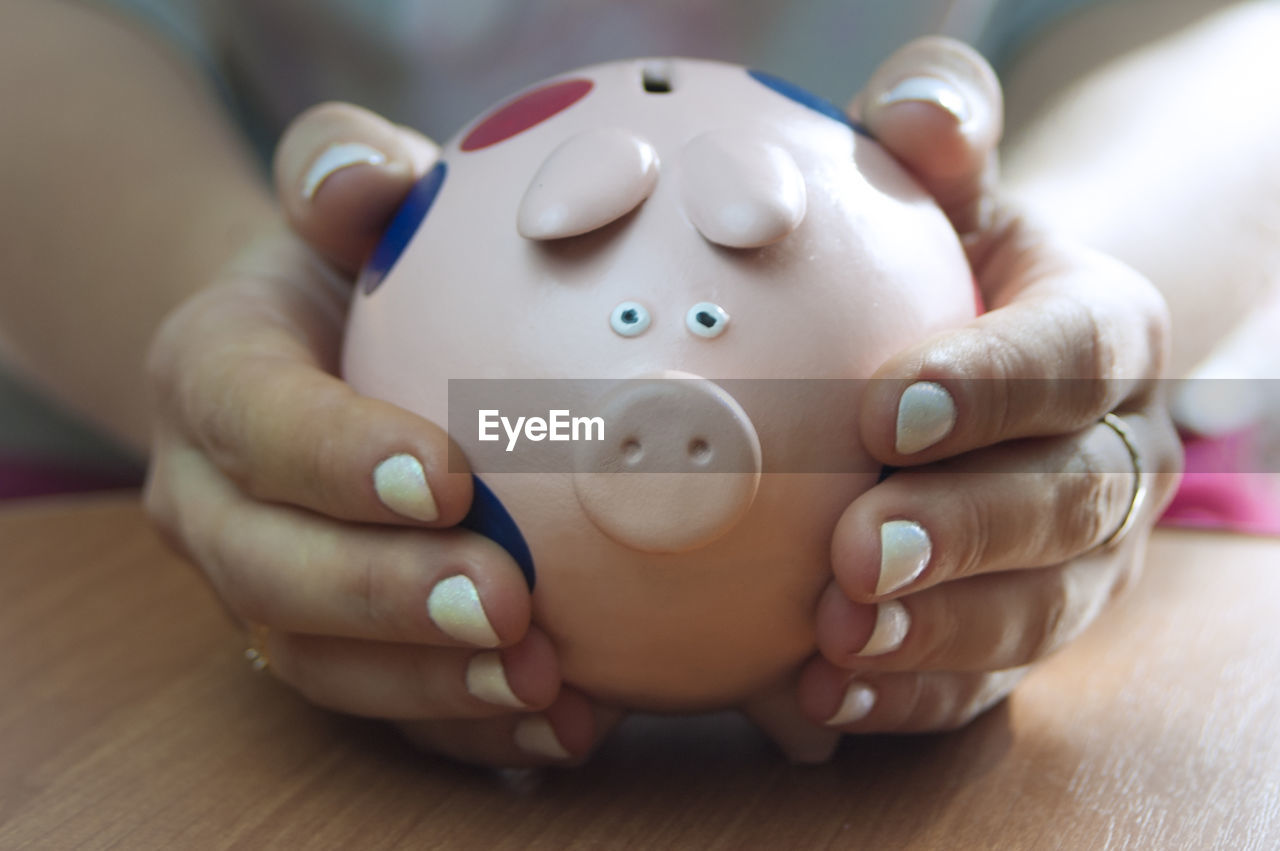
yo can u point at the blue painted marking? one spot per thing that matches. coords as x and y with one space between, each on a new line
403 226
806 98
489 517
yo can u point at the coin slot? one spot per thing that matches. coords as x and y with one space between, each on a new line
656 79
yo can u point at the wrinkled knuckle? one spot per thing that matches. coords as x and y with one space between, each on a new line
229 562
1005 375
974 539
1052 627
1090 501
372 598
213 417
1100 358
937 631
325 461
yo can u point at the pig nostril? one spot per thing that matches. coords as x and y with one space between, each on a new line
632 452
700 451
706 319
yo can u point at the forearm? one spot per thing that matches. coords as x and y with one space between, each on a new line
124 189
1166 158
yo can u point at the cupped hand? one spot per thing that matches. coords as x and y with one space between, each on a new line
995 541
326 521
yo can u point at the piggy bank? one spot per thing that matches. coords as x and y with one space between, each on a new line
646 296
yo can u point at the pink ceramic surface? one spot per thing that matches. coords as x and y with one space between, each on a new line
687 224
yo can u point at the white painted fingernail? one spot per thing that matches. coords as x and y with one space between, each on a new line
335 158
859 698
487 680
932 90
535 735
401 484
926 414
892 624
904 551
454 606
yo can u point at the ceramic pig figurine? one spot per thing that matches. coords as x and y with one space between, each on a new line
697 263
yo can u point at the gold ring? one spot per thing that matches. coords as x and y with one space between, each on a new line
256 653
1139 495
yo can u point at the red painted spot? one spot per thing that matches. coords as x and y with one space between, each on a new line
529 109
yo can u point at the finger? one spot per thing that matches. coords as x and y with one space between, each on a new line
1074 334
1025 504
916 702
565 733
412 682
937 106
777 713
296 571
341 172
243 367
990 622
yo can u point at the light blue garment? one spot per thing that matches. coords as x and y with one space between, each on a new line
435 64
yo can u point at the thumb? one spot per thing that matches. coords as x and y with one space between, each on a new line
937 106
341 172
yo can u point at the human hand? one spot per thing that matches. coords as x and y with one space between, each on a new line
995 541
324 520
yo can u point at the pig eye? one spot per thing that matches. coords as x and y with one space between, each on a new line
629 319
706 319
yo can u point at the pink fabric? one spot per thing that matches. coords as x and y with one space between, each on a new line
1225 487
24 477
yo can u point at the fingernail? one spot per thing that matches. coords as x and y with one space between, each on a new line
892 623
401 484
454 606
904 552
535 735
859 698
487 680
932 90
335 158
926 414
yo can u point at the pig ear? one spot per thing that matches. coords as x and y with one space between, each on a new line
741 192
590 180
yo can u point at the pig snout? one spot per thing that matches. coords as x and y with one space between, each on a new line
678 468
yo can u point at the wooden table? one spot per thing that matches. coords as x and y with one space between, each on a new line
129 719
